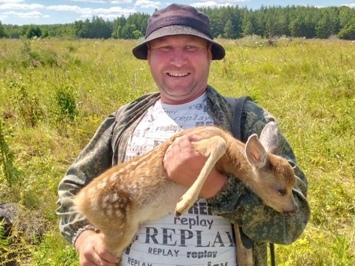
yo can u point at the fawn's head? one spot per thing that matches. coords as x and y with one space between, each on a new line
274 177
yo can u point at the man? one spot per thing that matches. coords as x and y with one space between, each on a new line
179 49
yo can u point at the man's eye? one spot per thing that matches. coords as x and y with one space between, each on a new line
165 48
191 48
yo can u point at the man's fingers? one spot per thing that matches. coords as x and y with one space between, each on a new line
106 258
109 259
193 137
183 144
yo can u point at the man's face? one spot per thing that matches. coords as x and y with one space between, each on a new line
180 66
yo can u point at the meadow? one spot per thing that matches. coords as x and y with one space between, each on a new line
55 93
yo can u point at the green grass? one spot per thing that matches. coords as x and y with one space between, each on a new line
55 93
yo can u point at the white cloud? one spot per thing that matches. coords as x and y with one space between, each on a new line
110 13
350 5
210 4
61 8
89 1
147 4
219 2
106 13
112 10
25 15
233 1
120 2
102 1
20 6
205 4
3 17
11 1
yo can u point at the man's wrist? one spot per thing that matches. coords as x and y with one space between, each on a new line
214 184
82 234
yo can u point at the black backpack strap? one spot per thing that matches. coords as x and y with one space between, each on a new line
237 105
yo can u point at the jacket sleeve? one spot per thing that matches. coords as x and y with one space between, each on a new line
243 207
93 160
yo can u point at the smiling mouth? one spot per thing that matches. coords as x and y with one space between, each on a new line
178 75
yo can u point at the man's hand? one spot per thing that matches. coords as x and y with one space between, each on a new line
183 164
90 247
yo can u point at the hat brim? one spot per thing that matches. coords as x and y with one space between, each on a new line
141 50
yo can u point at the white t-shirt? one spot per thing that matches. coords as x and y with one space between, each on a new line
195 238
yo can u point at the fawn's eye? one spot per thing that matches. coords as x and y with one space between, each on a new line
281 192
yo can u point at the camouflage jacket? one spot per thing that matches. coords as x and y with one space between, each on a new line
235 202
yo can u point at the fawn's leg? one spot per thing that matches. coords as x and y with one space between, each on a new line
116 241
214 148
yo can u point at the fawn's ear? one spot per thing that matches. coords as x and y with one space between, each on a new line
269 137
255 152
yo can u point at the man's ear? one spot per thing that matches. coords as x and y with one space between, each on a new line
148 53
209 48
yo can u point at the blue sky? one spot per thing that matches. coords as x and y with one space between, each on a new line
20 12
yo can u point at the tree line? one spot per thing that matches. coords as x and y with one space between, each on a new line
230 22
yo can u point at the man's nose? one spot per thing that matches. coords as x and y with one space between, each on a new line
178 57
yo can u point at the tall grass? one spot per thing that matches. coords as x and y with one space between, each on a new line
55 93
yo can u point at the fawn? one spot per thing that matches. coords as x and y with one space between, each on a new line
128 194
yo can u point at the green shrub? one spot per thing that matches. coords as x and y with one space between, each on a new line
8 169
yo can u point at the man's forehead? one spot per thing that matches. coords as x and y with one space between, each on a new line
175 38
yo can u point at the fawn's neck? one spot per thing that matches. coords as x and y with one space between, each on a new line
234 161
